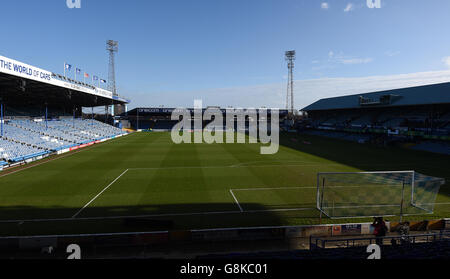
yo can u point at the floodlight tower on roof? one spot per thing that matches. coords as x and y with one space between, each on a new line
290 57
113 47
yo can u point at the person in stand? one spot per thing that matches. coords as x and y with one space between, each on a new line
380 229
404 233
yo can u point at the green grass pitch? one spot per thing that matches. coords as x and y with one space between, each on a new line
194 185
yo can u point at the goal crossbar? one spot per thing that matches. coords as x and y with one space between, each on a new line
377 193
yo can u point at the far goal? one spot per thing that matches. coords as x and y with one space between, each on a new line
381 193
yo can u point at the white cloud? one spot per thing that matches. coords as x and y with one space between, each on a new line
446 61
350 7
391 53
352 61
274 95
325 6
347 60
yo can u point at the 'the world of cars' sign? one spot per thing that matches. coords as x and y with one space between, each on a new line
16 68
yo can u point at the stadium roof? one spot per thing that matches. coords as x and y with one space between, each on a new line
168 111
20 82
411 96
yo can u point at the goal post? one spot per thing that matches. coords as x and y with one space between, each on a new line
424 192
380 193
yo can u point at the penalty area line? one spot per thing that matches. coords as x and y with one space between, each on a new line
159 215
236 200
101 192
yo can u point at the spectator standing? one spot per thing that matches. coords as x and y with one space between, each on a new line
380 229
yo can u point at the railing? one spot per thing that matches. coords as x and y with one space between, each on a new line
323 243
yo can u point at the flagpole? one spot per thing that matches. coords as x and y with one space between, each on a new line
65 69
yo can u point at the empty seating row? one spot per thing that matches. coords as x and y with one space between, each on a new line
13 151
24 138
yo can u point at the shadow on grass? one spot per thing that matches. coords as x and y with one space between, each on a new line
141 218
370 157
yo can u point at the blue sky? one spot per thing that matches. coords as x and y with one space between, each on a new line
230 52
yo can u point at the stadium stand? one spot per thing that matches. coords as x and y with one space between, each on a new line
163 124
361 138
436 246
159 119
418 115
435 250
431 146
27 138
43 114
13 151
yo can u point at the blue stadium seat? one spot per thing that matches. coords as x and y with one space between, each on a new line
27 138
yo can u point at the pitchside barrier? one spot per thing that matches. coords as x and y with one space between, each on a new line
371 194
323 243
96 242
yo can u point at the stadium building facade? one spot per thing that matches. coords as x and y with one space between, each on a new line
418 115
41 113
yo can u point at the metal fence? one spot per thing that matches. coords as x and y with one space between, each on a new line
323 242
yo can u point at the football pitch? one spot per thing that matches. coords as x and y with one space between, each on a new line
195 186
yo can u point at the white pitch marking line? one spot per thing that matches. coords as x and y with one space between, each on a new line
280 210
252 162
236 200
171 215
307 187
104 189
232 166
274 188
364 206
123 217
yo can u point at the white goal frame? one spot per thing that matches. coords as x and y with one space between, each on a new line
320 191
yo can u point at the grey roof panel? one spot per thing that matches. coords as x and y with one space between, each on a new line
419 95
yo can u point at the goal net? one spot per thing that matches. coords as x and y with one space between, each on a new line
369 194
